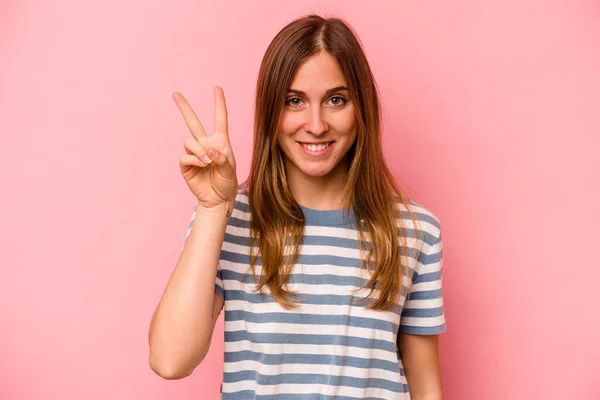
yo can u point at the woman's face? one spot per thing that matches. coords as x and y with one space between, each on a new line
318 126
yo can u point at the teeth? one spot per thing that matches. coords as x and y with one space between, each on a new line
315 147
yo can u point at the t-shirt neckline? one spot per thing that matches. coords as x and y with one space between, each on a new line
334 217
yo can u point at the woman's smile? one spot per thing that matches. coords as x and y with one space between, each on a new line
316 149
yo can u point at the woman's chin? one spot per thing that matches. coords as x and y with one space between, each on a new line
315 172
313 169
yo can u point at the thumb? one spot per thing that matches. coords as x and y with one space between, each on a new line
222 163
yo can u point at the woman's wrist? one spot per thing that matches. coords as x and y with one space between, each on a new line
224 209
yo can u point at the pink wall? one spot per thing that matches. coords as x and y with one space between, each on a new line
492 116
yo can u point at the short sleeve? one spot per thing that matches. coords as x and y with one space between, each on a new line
423 311
219 277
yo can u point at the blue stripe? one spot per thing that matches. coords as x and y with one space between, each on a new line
307 279
307 259
425 295
325 279
239 240
296 338
429 277
320 299
311 379
423 330
243 206
239 223
312 319
427 259
423 312
219 292
250 395
341 217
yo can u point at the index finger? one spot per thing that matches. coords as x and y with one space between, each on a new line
220 112
190 117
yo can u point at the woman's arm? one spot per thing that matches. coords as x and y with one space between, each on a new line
421 365
183 323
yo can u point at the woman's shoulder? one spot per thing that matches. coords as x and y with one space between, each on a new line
427 221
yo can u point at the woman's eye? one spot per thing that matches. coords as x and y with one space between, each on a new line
337 101
293 102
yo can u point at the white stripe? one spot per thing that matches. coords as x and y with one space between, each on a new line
275 348
426 248
316 309
428 268
426 286
294 388
320 369
305 289
425 304
322 269
310 329
423 322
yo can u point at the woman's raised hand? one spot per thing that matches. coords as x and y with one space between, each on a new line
208 165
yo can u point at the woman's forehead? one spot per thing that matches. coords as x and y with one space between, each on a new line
318 74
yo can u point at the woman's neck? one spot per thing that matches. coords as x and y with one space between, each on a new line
319 193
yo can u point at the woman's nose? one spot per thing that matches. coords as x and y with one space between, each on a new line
316 124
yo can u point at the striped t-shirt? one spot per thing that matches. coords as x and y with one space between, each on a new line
329 347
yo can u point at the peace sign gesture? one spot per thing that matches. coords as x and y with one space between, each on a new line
208 165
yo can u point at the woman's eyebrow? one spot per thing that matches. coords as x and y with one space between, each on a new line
335 89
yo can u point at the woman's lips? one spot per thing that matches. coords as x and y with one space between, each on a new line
316 149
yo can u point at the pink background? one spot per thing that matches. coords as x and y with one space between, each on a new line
491 118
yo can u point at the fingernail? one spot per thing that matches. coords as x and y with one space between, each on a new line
206 159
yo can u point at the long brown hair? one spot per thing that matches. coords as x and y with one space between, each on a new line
276 219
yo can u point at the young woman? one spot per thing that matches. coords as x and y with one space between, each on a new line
329 277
